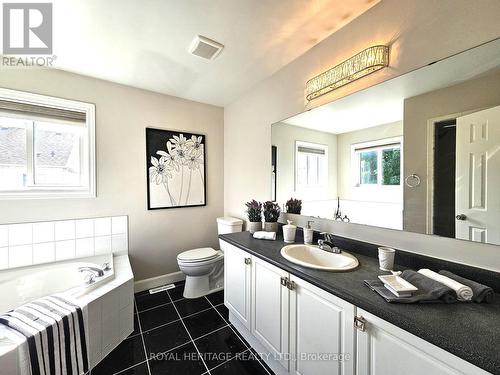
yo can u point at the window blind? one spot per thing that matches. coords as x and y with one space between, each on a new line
311 150
388 145
21 108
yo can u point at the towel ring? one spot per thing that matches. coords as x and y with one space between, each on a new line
413 177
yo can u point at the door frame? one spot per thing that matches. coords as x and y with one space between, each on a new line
431 128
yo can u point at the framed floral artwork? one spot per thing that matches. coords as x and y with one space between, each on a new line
176 169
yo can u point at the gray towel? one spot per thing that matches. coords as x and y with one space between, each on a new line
480 292
428 290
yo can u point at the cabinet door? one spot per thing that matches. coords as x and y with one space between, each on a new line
321 332
270 309
386 349
237 276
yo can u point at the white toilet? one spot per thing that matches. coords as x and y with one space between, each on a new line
204 267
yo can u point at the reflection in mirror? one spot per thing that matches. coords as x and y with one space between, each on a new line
419 152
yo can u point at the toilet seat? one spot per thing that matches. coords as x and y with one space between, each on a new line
198 255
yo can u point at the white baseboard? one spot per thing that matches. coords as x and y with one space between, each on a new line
156 281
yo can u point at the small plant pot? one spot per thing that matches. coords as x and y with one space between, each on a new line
254 226
271 226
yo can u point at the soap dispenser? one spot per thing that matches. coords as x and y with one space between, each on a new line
289 232
308 233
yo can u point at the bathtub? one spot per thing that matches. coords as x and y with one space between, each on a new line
108 303
23 285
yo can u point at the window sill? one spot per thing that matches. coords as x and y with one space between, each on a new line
48 194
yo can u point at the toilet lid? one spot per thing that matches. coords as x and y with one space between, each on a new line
196 255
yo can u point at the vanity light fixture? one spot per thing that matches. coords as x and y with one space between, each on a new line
365 62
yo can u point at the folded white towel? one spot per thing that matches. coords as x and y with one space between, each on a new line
261 235
464 293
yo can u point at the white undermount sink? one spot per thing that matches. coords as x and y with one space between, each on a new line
313 257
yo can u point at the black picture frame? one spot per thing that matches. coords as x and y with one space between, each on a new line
182 171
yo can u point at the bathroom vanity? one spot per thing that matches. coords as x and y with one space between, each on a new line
308 321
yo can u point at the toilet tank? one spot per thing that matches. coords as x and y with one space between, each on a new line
229 225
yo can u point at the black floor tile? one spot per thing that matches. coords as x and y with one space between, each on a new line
259 357
141 369
157 316
183 360
177 292
146 301
223 311
127 354
164 338
190 306
203 323
136 326
216 298
244 363
219 346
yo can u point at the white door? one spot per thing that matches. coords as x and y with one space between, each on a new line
237 278
383 348
478 176
270 305
321 332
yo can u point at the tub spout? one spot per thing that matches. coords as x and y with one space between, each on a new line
96 271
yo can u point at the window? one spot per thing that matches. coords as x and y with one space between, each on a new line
311 165
46 147
378 163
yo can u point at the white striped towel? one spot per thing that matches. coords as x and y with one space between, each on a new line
54 328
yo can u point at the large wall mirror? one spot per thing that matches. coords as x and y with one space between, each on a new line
420 152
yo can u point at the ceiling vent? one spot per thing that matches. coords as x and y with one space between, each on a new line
205 48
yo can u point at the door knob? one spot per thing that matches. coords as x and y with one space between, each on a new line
461 217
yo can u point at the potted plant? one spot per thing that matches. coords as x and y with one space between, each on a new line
254 212
293 206
271 215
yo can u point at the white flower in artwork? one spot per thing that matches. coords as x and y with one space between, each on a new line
169 159
195 142
178 141
194 159
159 172
177 153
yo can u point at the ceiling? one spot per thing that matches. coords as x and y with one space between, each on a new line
144 43
383 103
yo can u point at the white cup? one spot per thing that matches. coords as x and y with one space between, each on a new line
386 258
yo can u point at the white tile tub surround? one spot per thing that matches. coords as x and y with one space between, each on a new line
20 256
111 311
4 258
44 252
20 234
84 228
44 232
28 244
4 236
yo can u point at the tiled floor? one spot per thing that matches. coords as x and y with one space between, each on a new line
174 335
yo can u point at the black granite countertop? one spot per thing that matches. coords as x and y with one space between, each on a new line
470 331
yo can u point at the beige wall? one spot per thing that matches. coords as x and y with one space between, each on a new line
420 32
122 113
344 143
469 96
284 137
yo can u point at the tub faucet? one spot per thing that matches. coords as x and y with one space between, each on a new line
327 244
94 270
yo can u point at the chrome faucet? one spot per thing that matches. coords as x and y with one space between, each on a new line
94 270
327 244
